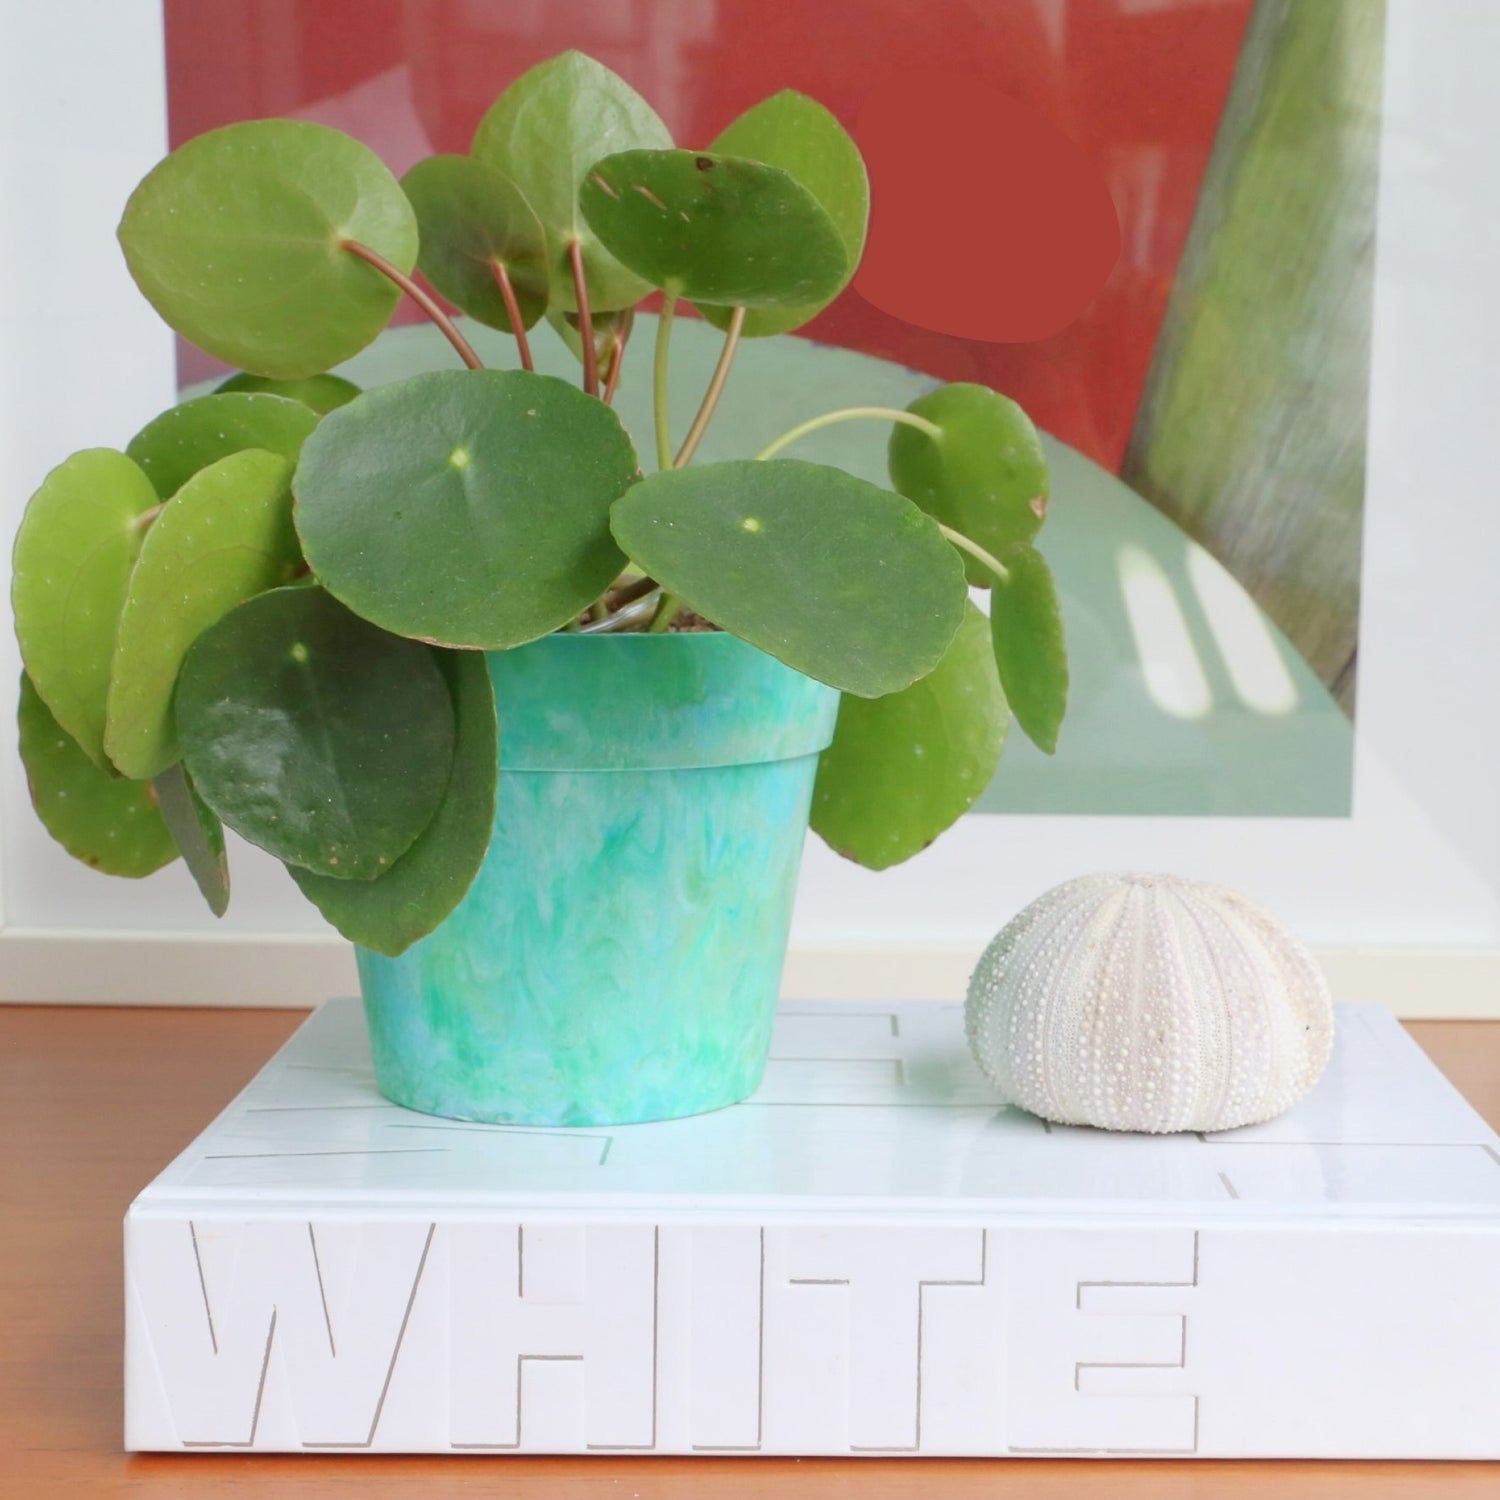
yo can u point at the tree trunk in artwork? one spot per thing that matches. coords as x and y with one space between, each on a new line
1251 430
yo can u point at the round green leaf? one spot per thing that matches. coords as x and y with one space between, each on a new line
315 735
110 824
832 575
176 445
467 507
985 474
321 392
226 535
74 551
237 240
432 877
903 768
544 133
715 229
473 219
197 833
1030 649
800 136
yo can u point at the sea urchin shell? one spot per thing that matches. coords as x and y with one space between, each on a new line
1149 1002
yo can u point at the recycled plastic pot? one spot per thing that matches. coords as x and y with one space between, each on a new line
619 956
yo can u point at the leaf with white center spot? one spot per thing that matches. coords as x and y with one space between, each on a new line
465 508
830 574
315 735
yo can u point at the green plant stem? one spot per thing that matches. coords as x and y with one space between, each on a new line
850 414
670 603
422 298
513 312
585 319
998 568
659 382
715 389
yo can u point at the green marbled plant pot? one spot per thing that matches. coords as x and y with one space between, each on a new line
619 956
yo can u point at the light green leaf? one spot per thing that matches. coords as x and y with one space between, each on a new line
432 877
238 240
173 447
197 833
112 825
467 507
903 768
715 229
985 474
226 535
1030 649
321 392
74 551
833 576
544 133
800 136
315 735
473 219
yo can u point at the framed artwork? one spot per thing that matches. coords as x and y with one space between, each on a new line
1269 514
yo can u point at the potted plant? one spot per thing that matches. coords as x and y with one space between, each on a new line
309 613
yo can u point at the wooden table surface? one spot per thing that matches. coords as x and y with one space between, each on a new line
93 1102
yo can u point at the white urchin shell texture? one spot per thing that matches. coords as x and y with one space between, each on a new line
1149 1002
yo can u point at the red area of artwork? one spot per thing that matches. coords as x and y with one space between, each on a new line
986 221
1138 90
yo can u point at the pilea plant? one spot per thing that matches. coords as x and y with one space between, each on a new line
268 612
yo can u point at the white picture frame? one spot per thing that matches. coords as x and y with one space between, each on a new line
1402 899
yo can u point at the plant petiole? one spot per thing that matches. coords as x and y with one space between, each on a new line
513 312
715 389
850 414
585 319
959 540
659 381
421 297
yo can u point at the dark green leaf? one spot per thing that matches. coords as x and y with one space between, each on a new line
473 219
110 824
715 229
1030 648
985 474
237 240
465 508
432 877
321 392
797 134
315 735
77 544
198 834
903 768
227 534
544 133
177 444
834 576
